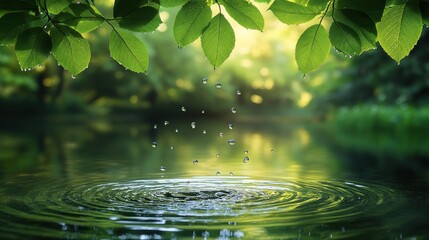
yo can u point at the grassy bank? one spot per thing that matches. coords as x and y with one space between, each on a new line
390 130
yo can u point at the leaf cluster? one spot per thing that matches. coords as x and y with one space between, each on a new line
354 27
37 28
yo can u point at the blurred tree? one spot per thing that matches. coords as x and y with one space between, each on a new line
375 78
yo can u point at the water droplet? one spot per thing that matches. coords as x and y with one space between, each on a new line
203 111
73 77
230 126
154 144
233 110
155 126
195 161
238 92
204 131
218 85
205 80
217 154
183 109
166 123
246 159
221 134
246 151
217 173
231 142
177 130
171 147
193 125
231 173
162 169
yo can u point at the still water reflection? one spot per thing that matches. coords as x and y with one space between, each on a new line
104 180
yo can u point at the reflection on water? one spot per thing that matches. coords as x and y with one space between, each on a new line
102 180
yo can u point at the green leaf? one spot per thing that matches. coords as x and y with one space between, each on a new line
218 40
173 3
70 49
12 24
400 29
292 13
190 22
344 39
318 4
128 50
244 13
56 6
362 24
154 3
123 8
18 6
390 3
312 48
373 8
144 19
32 47
82 17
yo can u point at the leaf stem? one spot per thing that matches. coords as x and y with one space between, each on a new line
326 11
218 4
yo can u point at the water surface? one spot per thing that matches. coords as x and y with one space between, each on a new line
103 180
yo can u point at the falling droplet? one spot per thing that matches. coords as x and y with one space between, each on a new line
246 159
183 109
230 126
177 130
203 111
155 126
193 125
221 134
154 144
166 123
205 80
231 173
218 85
217 173
195 161
204 131
171 147
217 154
238 92
233 110
246 151
231 142
162 168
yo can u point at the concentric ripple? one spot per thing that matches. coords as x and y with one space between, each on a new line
182 205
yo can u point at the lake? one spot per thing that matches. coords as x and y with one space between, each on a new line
99 179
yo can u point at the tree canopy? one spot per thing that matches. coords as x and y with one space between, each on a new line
38 28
